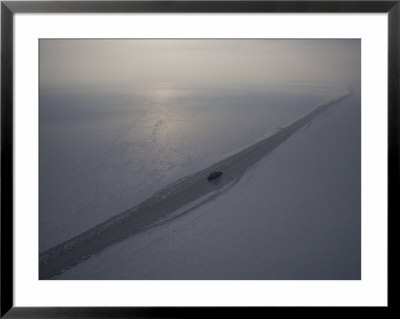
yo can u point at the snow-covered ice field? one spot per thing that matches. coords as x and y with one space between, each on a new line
102 153
294 215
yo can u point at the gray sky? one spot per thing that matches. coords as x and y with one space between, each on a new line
132 63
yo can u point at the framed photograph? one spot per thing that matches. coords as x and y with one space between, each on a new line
191 158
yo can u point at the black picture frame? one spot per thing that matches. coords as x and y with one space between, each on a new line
9 8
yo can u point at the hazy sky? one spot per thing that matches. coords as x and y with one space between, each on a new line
132 63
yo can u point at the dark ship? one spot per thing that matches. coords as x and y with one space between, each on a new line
214 175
